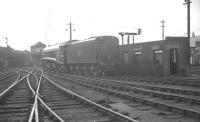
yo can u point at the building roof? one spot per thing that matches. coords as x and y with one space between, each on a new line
38 43
53 47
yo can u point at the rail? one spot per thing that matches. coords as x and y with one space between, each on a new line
127 88
167 106
7 76
50 110
102 108
13 85
35 105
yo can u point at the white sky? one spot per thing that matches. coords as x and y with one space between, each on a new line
26 22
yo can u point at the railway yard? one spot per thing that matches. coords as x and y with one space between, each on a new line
114 67
34 95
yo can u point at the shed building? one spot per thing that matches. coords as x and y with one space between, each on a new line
156 58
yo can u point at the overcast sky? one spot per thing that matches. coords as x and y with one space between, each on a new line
26 22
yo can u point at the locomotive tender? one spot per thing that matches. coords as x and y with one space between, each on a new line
94 56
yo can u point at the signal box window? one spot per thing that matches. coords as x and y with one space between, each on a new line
138 53
158 56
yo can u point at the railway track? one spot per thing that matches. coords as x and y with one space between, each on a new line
193 82
186 92
172 102
74 108
36 98
8 80
15 102
7 75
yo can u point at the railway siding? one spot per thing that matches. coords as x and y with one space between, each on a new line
179 82
171 106
95 106
158 87
15 102
35 97
6 82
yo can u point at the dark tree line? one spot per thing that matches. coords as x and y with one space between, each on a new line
10 58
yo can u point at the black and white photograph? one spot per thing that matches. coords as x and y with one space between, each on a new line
99 60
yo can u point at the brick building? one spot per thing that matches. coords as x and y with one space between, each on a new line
156 58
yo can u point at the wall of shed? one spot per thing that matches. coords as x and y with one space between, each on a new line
142 59
181 44
141 64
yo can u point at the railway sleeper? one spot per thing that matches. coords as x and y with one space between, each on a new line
89 103
157 94
172 107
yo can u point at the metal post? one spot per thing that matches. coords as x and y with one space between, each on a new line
188 26
187 2
128 39
122 39
163 31
70 30
122 35
132 54
188 18
70 27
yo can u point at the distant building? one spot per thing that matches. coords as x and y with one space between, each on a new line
36 52
38 47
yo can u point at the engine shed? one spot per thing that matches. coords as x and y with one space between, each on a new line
155 58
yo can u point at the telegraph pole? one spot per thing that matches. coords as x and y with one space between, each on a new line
70 27
187 2
163 29
70 30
